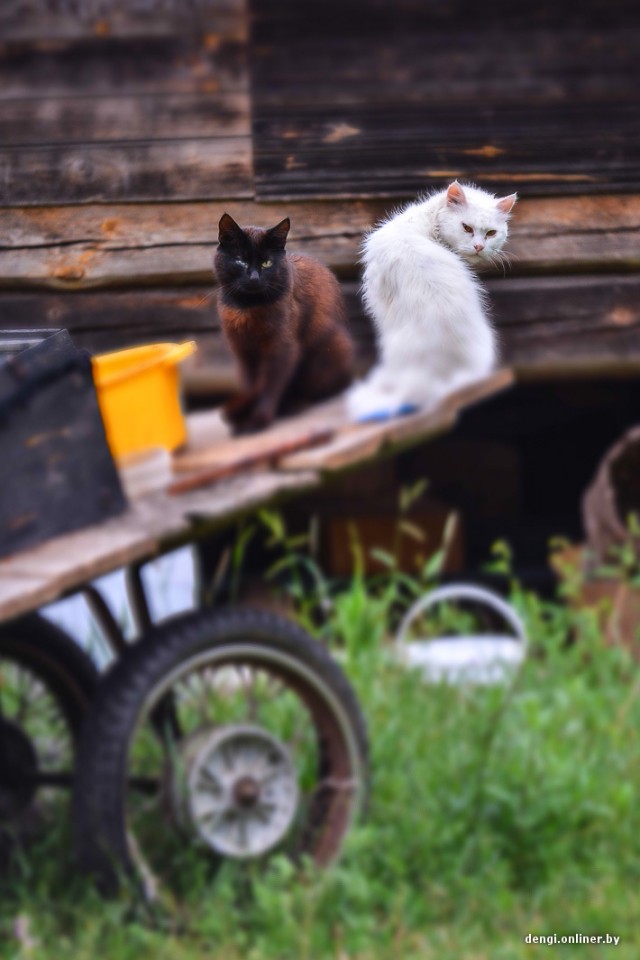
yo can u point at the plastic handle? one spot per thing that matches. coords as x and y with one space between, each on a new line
464 591
179 353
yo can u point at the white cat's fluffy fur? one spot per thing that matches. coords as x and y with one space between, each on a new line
428 307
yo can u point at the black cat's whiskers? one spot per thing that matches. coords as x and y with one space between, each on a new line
206 299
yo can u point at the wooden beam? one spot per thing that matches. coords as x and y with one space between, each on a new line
154 523
20 594
23 21
100 245
566 322
109 119
410 96
355 444
144 170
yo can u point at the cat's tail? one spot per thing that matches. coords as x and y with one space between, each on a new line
385 393
379 397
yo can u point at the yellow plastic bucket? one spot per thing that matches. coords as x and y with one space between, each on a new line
138 393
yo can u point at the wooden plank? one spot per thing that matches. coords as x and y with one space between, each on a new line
108 245
416 96
103 246
414 429
322 17
436 150
31 19
110 314
456 402
210 63
207 426
413 146
86 119
577 303
262 455
602 353
184 169
355 444
211 445
574 317
239 495
126 226
41 575
420 65
19 594
68 560
35 577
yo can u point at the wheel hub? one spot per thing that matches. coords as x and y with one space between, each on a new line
19 767
240 791
246 792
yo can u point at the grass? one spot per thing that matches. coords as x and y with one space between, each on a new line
494 814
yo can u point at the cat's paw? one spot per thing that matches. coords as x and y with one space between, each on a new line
257 418
238 408
368 402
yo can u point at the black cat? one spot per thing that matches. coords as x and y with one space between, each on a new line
284 318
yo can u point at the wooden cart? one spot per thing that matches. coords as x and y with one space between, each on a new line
222 733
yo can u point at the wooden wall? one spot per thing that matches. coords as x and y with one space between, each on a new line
125 136
383 99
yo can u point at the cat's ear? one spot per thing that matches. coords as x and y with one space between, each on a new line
228 229
278 234
505 204
455 195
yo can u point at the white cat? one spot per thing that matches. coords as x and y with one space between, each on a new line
428 306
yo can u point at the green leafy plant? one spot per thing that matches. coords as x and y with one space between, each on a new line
493 814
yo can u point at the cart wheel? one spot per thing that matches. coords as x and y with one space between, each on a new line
222 735
46 684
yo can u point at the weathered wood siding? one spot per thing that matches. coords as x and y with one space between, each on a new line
386 98
106 111
124 137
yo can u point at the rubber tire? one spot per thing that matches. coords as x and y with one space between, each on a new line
59 663
100 839
64 668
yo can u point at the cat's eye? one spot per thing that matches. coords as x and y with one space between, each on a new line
267 263
467 228
491 233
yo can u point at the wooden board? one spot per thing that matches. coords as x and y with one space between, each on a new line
95 116
35 19
412 95
68 560
211 444
75 248
228 499
355 444
19 594
110 119
540 320
34 577
154 523
181 169
210 62
296 157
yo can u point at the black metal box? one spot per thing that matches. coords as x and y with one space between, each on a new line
56 471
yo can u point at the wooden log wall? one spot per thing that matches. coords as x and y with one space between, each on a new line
116 275
124 138
387 98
